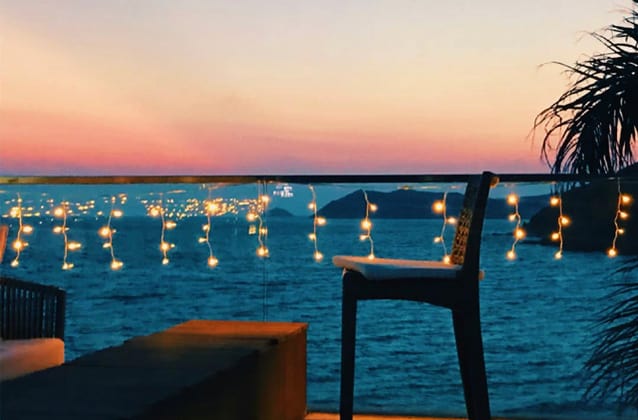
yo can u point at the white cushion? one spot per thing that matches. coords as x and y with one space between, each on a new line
20 357
387 268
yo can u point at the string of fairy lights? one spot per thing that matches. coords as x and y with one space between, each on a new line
621 214
19 243
519 233
316 222
257 215
256 218
62 212
366 224
159 210
440 207
562 222
107 232
211 209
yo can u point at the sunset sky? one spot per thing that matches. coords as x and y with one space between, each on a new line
290 86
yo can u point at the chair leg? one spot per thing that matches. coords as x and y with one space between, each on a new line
469 346
348 334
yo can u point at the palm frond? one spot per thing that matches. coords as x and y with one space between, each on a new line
596 119
613 365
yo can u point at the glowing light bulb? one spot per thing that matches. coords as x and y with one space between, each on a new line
451 220
116 264
564 220
519 233
251 217
621 231
154 212
212 261
201 240
262 251
263 231
512 217
371 256
447 259
438 239
73 246
321 221
623 215
106 245
612 252
18 245
558 255
104 231
27 229
165 246
165 260
512 199
206 228
366 224
15 263
625 198
170 224
554 201
438 207
555 236
58 212
117 213
57 229
511 255
312 236
14 212
373 207
312 206
318 256
67 266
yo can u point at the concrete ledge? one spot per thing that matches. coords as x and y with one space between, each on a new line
199 369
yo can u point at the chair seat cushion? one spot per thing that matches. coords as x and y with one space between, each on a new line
20 357
387 268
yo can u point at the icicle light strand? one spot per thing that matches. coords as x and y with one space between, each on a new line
165 246
621 214
440 207
557 201
366 224
107 233
317 221
256 215
62 212
19 243
211 209
519 233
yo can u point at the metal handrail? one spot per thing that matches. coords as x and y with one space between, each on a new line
297 178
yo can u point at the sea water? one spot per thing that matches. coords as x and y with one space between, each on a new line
538 314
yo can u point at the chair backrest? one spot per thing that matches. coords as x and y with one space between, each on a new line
31 310
466 249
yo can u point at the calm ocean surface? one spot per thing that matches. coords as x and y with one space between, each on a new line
539 314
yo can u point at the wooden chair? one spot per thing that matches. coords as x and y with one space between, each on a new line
31 310
453 286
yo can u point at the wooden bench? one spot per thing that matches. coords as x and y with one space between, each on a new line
198 369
